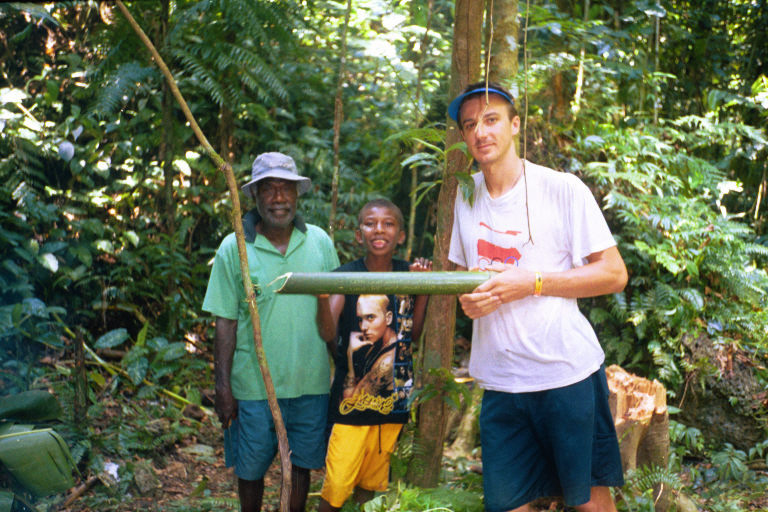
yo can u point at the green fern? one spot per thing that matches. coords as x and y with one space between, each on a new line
121 84
233 73
645 478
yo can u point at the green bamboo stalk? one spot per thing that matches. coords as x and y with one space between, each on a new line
399 283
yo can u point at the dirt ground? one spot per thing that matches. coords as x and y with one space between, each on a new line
190 475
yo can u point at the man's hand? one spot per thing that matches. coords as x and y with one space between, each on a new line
226 406
510 284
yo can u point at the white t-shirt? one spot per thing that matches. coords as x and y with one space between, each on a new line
535 343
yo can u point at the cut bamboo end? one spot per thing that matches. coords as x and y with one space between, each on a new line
385 283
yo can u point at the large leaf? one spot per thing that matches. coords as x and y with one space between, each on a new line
39 459
113 338
35 405
6 501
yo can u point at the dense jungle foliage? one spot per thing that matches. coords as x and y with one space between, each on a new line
110 212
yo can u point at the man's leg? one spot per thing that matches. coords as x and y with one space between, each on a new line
299 488
600 500
251 493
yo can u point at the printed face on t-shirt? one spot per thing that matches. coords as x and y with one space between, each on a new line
373 315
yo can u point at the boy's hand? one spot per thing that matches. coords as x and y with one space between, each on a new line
420 265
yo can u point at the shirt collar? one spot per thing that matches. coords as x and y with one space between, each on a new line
252 218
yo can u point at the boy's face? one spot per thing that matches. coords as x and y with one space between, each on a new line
374 317
379 232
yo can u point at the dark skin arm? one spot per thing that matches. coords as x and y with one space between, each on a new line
420 302
224 342
328 311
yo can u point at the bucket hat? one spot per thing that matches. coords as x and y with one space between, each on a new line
276 165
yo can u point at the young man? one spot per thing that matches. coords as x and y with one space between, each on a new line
369 405
277 241
545 424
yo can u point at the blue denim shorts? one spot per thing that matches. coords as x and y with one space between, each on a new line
558 442
250 442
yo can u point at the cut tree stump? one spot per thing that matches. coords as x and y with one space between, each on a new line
639 409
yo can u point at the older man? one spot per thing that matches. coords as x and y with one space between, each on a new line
277 241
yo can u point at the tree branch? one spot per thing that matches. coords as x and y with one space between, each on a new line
237 224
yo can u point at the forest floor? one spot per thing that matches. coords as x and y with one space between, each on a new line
188 476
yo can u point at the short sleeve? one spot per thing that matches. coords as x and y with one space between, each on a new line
224 286
590 231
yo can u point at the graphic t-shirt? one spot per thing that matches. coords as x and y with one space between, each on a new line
534 343
374 367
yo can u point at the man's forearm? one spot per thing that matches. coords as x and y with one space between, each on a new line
225 340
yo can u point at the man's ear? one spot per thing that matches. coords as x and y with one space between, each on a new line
401 237
358 236
516 125
389 317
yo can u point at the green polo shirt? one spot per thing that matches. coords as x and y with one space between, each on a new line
296 355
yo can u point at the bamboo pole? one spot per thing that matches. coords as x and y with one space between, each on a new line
237 224
384 283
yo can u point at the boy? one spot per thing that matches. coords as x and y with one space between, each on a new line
368 404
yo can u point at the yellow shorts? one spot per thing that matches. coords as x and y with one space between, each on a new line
358 456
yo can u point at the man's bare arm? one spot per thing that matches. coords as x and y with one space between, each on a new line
328 311
225 340
604 273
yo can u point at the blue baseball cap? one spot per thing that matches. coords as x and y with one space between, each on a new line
455 106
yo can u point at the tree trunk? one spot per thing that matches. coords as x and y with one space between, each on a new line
466 434
226 131
504 47
165 155
441 312
639 409
338 117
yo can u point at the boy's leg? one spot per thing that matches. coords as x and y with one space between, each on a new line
327 507
362 495
374 472
346 451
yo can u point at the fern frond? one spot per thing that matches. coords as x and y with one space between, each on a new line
119 86
646 478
